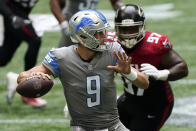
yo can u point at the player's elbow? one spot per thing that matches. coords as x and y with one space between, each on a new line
183 70
186 70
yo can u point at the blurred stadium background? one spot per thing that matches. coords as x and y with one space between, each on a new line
176 19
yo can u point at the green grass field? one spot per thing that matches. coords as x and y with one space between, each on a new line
21 117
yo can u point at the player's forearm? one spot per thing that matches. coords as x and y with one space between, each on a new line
4 9
176 66
56 10
178 71
141 81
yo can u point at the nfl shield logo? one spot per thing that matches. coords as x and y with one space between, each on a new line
90 67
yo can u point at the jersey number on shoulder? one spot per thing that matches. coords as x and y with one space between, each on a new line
88 4
93 90
154 38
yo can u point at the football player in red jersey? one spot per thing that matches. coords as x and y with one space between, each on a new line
18 28
152 54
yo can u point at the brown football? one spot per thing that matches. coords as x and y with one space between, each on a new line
34 87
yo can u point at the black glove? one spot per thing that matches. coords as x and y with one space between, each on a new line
18 22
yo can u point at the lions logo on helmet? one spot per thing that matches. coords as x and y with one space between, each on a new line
129 25
83 26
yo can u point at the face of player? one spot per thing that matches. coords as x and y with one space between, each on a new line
100 36
128 32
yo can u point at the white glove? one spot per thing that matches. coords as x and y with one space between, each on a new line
152 71
65 27
18 22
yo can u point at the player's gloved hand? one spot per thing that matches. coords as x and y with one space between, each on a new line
18 22
65 27
152 71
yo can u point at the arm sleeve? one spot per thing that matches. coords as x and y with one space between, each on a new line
50 61
4 10
165 44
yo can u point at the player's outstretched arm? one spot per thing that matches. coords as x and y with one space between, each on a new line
124 67
172 68
175 64
40 70
56 10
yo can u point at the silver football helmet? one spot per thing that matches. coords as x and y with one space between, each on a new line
84 24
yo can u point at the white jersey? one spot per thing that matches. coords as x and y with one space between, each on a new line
89 87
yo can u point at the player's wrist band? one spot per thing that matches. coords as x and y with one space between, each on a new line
163 74
64 24
131 76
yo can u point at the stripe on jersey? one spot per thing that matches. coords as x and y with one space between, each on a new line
50 59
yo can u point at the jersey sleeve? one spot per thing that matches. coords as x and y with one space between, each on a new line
50 61
165 44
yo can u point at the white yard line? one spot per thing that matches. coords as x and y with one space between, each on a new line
184 112
22 121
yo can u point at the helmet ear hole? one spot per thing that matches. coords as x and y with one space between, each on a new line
75 18
83 37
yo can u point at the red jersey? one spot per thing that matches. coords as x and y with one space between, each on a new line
149 50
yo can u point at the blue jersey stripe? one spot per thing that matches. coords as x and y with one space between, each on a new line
50 59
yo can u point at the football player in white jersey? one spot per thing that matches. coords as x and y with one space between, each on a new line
86 71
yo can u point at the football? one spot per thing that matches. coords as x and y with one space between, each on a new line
34 87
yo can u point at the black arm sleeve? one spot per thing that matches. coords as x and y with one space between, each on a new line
4 9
